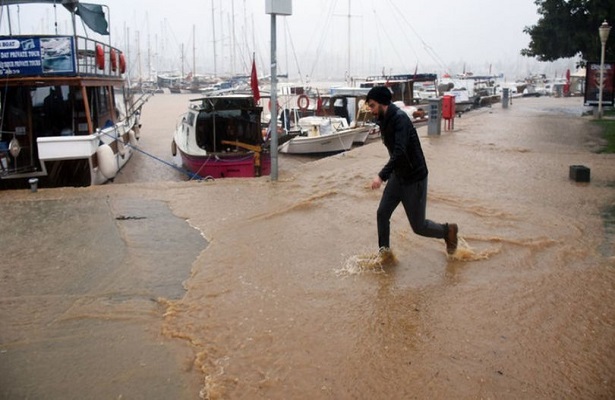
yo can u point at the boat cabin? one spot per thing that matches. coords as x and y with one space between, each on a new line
65 113
218 120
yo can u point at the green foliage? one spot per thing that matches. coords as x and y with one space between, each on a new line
608 126
569 28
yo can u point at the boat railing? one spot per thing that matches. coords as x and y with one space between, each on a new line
90 52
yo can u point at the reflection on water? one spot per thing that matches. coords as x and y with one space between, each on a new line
81 297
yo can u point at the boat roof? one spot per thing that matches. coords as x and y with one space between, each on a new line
65 3
223 102
403 77
349 91
223 96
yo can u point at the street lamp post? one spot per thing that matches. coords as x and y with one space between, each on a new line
603 31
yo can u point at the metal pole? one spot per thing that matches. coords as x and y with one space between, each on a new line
601 81
603 31
273 123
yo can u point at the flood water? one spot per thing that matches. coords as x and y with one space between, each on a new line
159 287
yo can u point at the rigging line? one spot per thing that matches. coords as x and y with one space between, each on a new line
323 35
188 173
427 47
395 50
292 47
402 29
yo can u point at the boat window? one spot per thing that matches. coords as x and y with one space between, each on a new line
52 111
100 99
227 125
104 112
16 123
15 112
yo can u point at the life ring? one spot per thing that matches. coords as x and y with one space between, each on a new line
106 161
303 102
113 59
173 148
100 57
277 104
122 63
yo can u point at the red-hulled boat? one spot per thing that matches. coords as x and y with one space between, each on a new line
221 137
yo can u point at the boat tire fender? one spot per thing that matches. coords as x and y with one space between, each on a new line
173 148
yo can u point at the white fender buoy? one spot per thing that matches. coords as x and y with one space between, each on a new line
173 148
133 137
121 147
106 161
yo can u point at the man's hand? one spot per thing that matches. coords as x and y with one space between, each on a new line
377 182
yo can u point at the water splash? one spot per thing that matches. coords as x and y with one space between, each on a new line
466 253
367 262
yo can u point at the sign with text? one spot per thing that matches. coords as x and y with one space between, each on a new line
37 55
592 84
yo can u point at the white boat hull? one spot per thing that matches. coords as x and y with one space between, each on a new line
331 143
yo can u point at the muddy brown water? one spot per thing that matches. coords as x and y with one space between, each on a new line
159 287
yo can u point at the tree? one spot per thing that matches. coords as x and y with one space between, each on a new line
569 28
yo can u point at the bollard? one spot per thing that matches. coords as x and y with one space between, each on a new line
505 97
33 184
434 124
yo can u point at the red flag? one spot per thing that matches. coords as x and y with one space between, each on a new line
254 82
319 110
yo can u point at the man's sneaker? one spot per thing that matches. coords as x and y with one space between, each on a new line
385 255
451 238
384 250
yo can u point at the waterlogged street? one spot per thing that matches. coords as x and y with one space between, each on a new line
159 287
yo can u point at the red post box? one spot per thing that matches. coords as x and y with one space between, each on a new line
448 106
448 110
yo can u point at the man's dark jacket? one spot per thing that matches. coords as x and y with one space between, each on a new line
406 157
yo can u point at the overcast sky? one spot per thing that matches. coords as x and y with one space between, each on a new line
394 36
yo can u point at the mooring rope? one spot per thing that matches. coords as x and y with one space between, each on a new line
191 175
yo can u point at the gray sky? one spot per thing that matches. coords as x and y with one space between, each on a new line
394 36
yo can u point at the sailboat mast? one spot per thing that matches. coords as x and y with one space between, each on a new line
138 38
349 41
193 51
233 42
213 28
